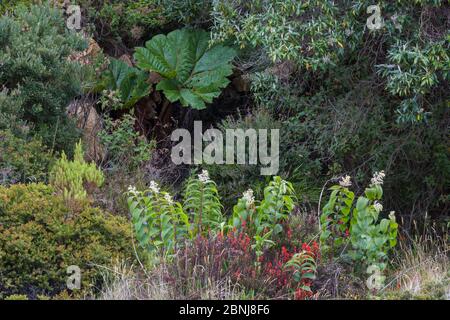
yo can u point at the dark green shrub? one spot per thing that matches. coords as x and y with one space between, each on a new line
22 160
343 122
38 80
9 115
127 22
409 49
9 5
40 237
188 12
123 21
233 179
126 149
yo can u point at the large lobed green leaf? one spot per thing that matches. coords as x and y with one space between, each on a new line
192 72
130 82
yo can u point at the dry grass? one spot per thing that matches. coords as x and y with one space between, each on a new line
135 283
124 283
423 267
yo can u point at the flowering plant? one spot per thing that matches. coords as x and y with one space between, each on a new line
344 222
263 221
202 203
159 222
335 218
371 239
245 249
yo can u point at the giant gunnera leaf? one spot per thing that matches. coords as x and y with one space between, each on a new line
193 73
130 83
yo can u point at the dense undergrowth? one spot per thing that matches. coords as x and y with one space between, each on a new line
358 208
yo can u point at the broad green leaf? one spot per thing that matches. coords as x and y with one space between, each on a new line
193 73
384 224
130 82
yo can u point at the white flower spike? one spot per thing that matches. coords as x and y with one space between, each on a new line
248 197
168 198
132 190
378 178
378 206
392 215
204 176
154 186
345 181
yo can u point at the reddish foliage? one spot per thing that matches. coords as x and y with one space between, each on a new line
230 255
283 276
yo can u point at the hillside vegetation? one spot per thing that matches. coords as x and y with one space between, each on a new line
92 94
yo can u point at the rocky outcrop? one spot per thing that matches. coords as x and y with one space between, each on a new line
90 123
